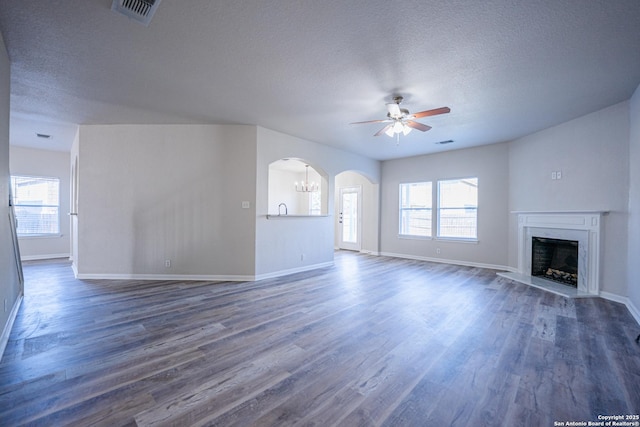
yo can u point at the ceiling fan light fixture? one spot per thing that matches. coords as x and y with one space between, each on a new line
400 121
390 132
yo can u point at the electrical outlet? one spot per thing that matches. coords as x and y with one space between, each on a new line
438 251
554 175
559 175
167 263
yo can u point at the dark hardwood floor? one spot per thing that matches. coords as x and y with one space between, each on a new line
371 341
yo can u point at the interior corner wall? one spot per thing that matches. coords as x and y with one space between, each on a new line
155 193
633 276
294 244
592 153
10 288
45 163
490 165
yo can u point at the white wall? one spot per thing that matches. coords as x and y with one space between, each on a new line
490 165
45 163
150 193
294 244
370 203
592 153
10 288
633 276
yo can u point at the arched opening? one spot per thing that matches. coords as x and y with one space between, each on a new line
296 188
357 213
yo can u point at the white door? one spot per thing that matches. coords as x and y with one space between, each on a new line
349 218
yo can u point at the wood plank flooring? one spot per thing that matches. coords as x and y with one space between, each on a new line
372 341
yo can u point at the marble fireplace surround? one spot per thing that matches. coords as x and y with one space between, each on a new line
582 226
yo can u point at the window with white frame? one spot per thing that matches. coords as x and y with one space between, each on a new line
315 203
415 209
458 208
36 203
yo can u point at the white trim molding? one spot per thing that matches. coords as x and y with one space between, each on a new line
446 261
293 270
185 277
623 300
201 277
635 312
4 339
369 252
41 257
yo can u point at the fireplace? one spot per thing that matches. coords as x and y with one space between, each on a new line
555 259
567 244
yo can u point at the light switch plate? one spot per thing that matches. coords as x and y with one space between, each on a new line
246 205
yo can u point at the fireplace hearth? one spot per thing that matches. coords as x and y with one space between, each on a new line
555 259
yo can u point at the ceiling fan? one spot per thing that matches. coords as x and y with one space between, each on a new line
399 120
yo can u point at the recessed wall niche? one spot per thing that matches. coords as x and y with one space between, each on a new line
285 199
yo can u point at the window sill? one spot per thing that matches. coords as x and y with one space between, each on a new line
40 236
410 237
458 239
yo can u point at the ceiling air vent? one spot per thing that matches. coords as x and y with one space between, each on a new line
138 10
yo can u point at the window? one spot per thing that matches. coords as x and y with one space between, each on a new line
415 209
315 203
37 206
458 208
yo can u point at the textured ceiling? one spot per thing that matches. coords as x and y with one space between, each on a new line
309 68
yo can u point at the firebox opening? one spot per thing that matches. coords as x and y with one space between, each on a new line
555 260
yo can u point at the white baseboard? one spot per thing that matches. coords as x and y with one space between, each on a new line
206 277
623 300
46 256
635 312
368 252
614 297
293 271
449 261
185 277
4 339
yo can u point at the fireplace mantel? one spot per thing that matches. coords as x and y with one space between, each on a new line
561 212
582 226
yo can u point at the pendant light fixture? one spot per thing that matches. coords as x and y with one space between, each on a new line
306 186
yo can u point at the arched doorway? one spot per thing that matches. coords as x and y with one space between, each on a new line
356 213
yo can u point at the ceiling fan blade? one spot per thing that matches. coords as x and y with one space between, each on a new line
394 110
434 112
371 121
383 130
418 126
